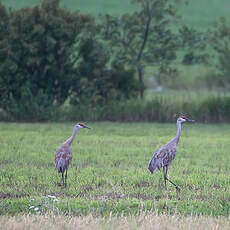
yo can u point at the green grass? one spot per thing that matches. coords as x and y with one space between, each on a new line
85 6
109 172
199 14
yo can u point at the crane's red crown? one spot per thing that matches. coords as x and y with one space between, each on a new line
183 117
81 124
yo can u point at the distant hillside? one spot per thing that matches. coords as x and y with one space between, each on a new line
199 13
202 13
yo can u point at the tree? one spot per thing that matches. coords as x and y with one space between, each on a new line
38 56
100 81
220 41
144 37
193 44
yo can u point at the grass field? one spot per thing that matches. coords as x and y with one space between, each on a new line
109 175
109 185
199 14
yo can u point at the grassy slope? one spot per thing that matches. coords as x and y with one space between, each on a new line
199 14
109 169
202 14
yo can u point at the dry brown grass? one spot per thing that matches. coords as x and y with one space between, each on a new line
143 221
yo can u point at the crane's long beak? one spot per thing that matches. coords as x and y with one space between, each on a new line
86 127
189 120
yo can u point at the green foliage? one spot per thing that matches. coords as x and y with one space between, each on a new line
194 45
192 14
162 108
108 174
97 83
144 37
37 56
48 55
221 43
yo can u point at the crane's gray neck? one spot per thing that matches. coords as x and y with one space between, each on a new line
70 140
177 138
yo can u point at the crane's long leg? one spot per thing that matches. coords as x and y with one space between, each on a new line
166 178
66 178
62 178
165 175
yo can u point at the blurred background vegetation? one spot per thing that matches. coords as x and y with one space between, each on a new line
137 60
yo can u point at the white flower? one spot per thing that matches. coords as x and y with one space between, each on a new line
31 207
53 197
36 209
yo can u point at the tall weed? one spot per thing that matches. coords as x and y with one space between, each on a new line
159 108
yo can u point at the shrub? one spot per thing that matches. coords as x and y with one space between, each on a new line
100 82
162 108
158 109
37 56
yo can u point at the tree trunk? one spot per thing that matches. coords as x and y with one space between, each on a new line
140 54
140 78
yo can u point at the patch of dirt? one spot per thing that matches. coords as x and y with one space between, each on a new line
116 196
217 186
145 197
10 195
201 197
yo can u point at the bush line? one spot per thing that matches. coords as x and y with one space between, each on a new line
158 109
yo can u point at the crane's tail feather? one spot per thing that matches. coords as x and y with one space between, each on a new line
61 165
153 165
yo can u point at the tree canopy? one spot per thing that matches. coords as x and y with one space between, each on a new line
37 58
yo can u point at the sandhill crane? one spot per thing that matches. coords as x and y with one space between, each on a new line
63 155
164 156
